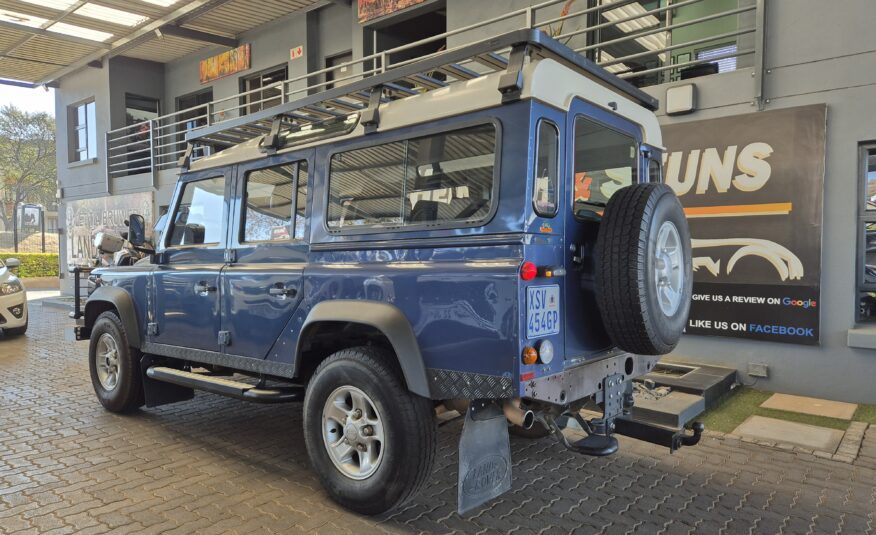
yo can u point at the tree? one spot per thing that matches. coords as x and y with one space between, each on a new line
28 170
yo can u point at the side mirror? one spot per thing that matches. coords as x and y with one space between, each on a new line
136 230
12 263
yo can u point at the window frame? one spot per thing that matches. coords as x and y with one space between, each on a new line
177 201
636 179
558 185
241 226
246 100
417 133
73 128
864 217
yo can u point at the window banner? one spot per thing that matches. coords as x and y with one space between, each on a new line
372 9
86 217
751 186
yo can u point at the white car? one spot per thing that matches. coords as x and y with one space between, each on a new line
13 300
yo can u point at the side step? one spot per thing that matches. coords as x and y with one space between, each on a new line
226 387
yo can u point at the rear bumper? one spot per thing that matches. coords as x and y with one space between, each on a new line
586 379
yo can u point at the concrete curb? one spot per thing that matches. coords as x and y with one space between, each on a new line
55 303
847 451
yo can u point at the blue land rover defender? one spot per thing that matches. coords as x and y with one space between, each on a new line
483 229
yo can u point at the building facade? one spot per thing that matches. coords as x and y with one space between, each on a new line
769 136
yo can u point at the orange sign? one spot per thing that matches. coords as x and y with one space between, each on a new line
225 64
372 9
297 52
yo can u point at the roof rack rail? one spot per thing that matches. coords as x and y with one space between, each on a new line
506 53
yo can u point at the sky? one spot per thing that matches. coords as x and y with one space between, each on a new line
31 100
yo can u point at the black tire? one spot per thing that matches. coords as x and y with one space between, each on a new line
538 430
408 421
626 290
127 394
17 331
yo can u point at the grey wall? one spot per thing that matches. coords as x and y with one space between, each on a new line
839 70
137 77
838 67
82 179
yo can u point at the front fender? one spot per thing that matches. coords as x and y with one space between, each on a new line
124 305
384 317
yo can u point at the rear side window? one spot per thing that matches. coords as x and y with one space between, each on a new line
272 195
198 218
605 161
546 169
431 180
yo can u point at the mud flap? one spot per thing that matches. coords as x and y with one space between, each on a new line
484 456
158 393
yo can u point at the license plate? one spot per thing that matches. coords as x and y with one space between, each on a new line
542 310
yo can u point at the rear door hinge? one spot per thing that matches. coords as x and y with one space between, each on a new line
230 256
224 338
152 329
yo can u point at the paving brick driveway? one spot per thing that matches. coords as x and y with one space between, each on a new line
221 466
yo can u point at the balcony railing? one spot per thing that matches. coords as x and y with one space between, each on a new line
643 46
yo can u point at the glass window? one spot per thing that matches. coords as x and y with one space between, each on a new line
655 171
269 204
266 89
366 186
301 201
605 161
546 169
867 240
272 196
198 218
870 180
82 132
429 180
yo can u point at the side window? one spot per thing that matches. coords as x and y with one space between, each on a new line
605 161
301 200
269 202
272 196
198 217
546 169
867 243
655 171
365 187
435 179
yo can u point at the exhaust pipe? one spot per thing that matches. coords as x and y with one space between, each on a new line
518 416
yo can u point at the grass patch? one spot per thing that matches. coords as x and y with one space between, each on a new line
745 402
865 413
733 409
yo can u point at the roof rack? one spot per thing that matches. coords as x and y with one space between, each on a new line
505 53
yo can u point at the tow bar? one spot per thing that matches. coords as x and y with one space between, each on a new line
599 441
655 434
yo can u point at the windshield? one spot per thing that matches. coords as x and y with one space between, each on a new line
605 161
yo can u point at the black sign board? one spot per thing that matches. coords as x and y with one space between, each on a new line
752 190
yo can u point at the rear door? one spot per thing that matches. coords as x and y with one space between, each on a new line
604 156
187 296
268 240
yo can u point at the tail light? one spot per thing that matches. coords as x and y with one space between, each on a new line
528 271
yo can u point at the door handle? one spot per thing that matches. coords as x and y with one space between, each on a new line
283 291
203 288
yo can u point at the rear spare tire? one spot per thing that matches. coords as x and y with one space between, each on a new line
643 269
